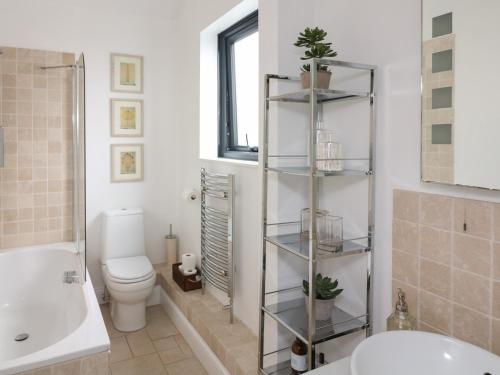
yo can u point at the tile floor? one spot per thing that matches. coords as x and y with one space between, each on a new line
158 349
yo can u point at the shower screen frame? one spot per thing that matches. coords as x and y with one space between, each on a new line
78 155
79 168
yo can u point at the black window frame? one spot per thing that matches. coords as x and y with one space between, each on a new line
228 131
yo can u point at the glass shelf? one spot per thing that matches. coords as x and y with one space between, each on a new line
293 316
294 244
324 95
284 368
304 171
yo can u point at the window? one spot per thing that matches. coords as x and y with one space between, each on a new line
239 90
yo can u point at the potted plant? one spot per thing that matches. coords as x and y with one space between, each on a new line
326 292
313 40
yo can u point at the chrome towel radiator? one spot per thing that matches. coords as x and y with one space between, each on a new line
217 233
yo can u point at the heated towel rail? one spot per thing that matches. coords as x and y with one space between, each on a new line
217 233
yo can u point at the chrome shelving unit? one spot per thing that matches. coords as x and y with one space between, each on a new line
294 315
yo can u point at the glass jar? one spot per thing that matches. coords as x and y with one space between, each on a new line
330 233
330 155
304 220
328 152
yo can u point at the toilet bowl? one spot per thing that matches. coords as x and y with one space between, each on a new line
127 272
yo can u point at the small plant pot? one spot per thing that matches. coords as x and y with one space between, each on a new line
322 80
324 308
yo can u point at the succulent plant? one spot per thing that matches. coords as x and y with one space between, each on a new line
313 40
325 288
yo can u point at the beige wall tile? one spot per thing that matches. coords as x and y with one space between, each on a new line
471 291
405 267
435 244
472 254
67 368
435 311
435 210
405 236
24 101
476 214
449 258
427 328
471 326
496 221
495 337
406 205
496 260
435 278
496 299
97 364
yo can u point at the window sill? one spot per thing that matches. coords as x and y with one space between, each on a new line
236 162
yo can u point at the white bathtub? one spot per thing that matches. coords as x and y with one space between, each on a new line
63 320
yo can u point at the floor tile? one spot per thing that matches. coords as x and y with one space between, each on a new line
183 344
173 355
119 349
145 365
106 315
140 343
166 343
187 367
161 327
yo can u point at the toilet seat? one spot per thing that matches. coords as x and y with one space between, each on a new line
129 270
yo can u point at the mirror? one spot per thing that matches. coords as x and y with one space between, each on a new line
461 92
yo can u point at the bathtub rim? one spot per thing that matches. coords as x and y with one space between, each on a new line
89 338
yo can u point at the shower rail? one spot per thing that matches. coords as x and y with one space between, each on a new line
217 233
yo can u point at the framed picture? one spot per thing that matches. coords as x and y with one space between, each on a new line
127 73
127 118
127 162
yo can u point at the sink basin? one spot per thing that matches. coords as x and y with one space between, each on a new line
421 353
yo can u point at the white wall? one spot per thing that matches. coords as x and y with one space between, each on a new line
385 33
195 16
98 28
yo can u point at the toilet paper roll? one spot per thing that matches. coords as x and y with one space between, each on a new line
188 262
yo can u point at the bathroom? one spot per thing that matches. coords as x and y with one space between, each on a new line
434 236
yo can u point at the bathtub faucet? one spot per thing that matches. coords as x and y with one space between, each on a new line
71 277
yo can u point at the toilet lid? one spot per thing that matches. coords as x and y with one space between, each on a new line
131 268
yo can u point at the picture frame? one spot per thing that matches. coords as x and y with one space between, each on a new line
127 73
127 162
127 117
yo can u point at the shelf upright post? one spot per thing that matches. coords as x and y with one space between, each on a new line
265 160
313 118
371 207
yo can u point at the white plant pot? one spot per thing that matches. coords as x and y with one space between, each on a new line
324 308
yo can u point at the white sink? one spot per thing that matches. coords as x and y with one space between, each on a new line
421 353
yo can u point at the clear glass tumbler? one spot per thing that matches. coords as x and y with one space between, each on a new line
330 233
304 220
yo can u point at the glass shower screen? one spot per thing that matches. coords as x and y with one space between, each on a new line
79 219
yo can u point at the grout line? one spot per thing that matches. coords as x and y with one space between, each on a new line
490 330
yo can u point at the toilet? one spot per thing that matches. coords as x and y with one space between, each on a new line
128 273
